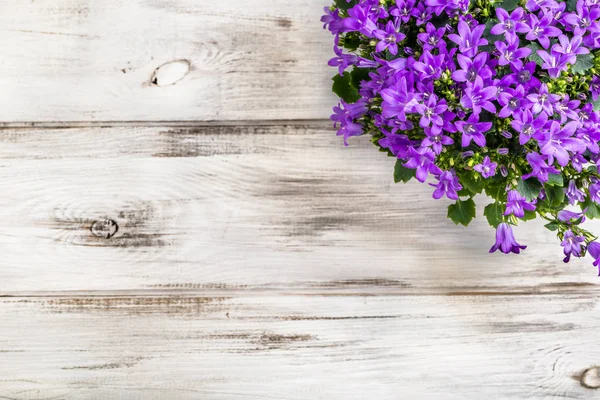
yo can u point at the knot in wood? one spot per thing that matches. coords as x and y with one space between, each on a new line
104 228
170 73
591 378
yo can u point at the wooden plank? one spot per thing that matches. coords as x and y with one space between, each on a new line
101 61
258 207
298 347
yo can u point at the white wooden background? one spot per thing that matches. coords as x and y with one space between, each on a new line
252 256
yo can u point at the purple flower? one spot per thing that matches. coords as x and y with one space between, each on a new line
468 40
566 109
342 60
431 112
430 66
509 24
556 142
403 10
593 249
595 87
332 20
422 13
510 52
399 99
540 168
388 38
431 37
594 190
524 74
583 19
517 204
527 125
572 245
423 161
472 129
487 169
570 48
477 96
345 114
541 29
554 62
436 140
573 194
359 20
570 217
542 100
505 240
471 69
447 185
513 101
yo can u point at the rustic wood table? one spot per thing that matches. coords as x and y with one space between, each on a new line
179 221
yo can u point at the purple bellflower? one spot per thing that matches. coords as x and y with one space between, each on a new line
573 193
509 24
516 204
422 161
472 129
448 185
478 97
388 38
468 40
505 240
572 245
487 168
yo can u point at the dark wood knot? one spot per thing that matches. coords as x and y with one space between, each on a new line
104 228
590 378
170 73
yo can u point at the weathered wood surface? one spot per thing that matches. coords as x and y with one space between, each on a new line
226 262
96 60
149 255
258 206
277 346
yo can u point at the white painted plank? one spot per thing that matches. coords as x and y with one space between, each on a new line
298 347
259 207
67 60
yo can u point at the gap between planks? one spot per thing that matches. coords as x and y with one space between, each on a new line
319 123
323 289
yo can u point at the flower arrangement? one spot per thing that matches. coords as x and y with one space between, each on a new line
480 96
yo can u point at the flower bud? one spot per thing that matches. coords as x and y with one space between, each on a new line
502 151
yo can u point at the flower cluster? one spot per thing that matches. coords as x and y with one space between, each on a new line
480 96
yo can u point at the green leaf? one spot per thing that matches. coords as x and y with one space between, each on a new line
529 188
584 63
529 215
555 180
496 190
592 208
462 212
402 174
595 103
344 5
342 87
358 75
474 183
552 226
571 5
493 212
534 56
351 42
554 195
508 5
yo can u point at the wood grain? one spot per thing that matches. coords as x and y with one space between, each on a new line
259 207
298 347
97 60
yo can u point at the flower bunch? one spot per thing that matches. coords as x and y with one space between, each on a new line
480 96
